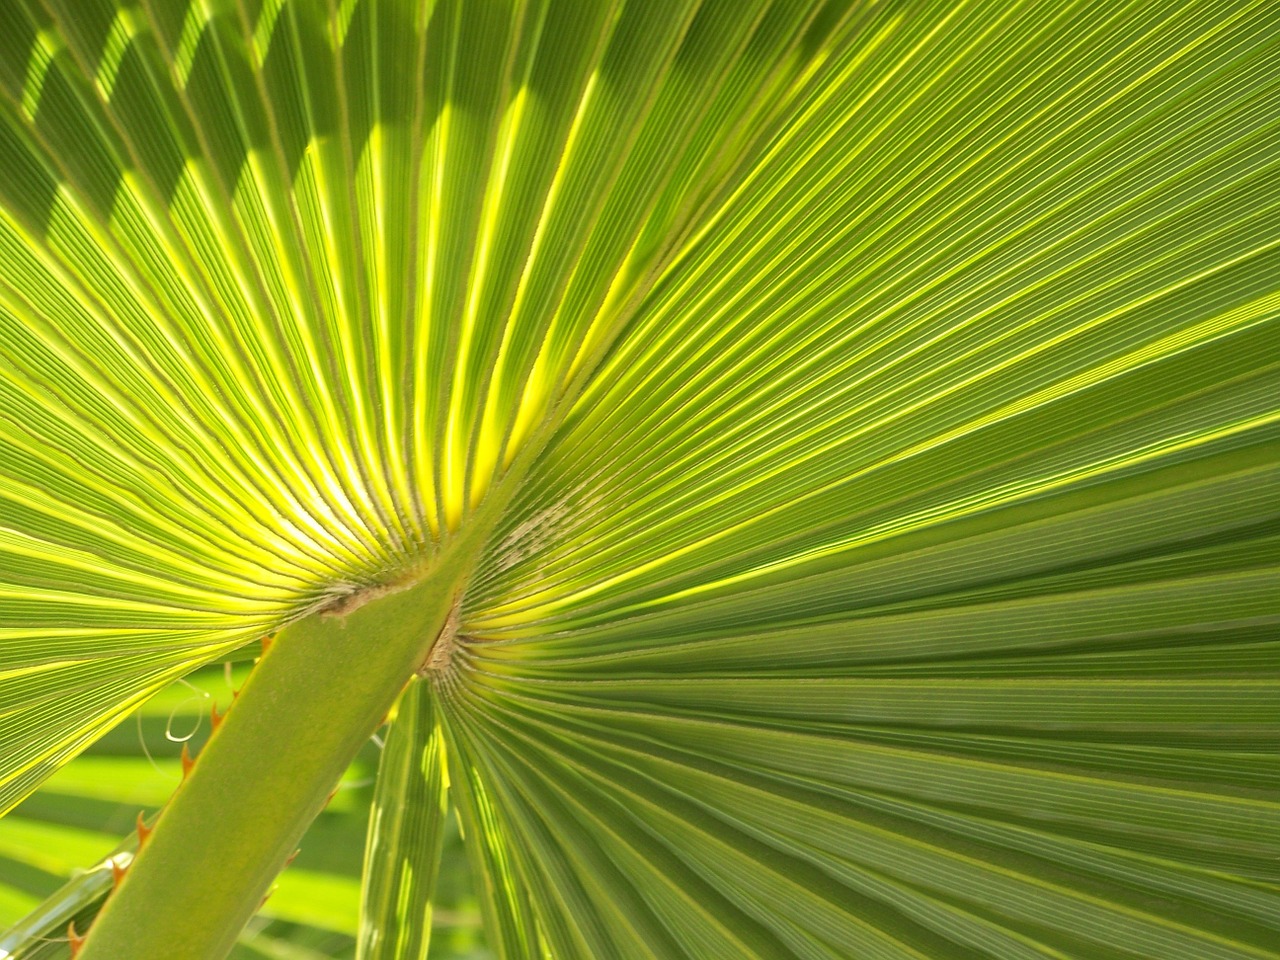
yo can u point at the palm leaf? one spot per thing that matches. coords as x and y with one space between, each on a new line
880 399
406 832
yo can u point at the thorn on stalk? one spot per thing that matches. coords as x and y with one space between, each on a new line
215 718
292 857
187 762
117 875
143 831
267 640
74 938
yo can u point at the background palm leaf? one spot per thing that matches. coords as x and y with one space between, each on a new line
893 569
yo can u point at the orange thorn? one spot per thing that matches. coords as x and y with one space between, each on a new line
187 762
292 857
215 718
266 643
74 938
332 793
235 694
143 831
117 874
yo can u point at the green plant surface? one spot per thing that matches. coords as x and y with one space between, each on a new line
53 846
407 829
848 429
301 718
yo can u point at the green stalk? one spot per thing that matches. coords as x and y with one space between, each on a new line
317 695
